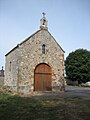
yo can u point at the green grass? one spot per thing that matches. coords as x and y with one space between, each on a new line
22 108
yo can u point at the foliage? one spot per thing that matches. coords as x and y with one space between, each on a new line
27 108
77 66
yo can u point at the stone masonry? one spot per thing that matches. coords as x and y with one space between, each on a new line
22 60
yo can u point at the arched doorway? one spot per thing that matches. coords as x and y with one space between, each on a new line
43 78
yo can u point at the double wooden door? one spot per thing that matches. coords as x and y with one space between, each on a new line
42 78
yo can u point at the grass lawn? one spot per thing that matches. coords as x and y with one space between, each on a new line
22 108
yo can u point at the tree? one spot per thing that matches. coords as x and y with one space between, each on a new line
77 66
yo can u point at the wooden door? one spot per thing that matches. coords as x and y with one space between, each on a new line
42 78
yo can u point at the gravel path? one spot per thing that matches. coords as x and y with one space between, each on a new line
70 92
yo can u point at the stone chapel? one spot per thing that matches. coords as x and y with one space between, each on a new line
36 64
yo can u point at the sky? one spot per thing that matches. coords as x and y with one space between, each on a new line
68 22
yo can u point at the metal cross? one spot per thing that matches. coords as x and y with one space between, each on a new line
44 14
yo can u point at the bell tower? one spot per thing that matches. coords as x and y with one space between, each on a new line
43 22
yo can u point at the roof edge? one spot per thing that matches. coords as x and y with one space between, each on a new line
29 37
56 42
12 49
22 42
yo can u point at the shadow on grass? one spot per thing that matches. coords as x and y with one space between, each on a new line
25 108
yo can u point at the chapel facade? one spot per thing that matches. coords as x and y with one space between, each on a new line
36 64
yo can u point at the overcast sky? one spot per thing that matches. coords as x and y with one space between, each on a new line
68 22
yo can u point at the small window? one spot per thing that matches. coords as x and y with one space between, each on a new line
43 48
10 66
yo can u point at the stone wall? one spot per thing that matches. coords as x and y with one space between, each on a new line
1 80
28 55
11 70
2 77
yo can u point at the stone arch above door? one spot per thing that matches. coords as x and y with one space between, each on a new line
42 77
